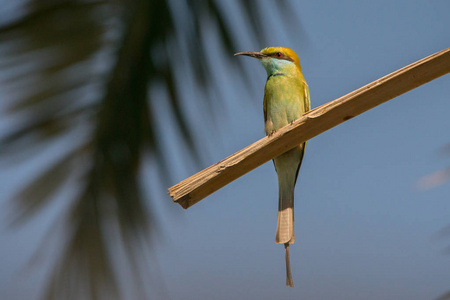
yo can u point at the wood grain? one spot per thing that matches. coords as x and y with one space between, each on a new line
198 186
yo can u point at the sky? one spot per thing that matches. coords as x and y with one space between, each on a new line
364 230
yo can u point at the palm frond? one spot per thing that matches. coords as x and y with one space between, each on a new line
88 64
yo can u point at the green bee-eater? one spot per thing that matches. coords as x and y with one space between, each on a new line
286 98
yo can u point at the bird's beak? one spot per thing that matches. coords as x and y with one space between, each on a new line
257 55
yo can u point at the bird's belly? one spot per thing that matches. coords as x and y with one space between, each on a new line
281 114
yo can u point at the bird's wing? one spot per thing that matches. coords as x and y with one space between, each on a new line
307 105
306 97
265 109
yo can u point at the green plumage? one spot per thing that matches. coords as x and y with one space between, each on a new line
286 99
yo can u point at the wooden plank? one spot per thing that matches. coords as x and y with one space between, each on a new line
198 186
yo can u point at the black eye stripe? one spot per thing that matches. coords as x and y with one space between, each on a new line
281 57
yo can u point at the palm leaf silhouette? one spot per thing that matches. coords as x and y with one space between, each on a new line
80 71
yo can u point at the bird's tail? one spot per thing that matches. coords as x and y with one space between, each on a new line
285 225
287 166
285 231
289 281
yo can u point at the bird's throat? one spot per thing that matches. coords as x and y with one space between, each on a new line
275 74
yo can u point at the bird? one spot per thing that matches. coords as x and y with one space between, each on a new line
286 98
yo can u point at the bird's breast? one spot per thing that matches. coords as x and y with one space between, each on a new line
284 102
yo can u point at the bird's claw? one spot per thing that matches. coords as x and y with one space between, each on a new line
272 132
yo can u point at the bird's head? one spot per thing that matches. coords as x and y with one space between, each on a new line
276 59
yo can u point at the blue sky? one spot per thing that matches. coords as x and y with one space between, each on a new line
363 229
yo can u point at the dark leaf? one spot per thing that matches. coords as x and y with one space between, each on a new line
85 64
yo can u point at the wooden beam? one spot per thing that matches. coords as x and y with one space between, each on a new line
198 186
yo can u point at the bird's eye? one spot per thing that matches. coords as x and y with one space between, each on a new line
278 54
